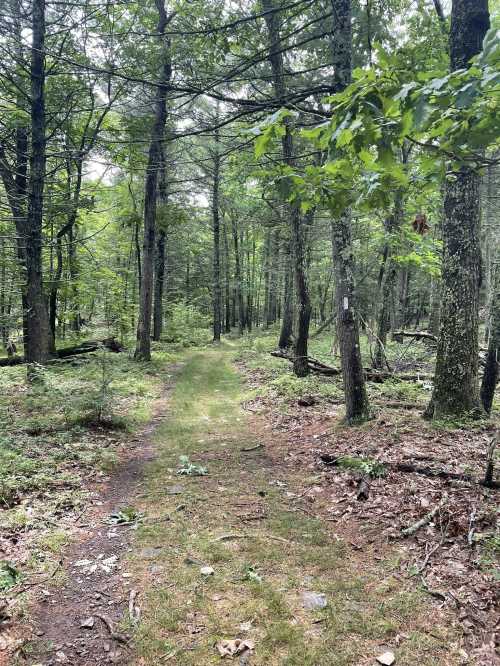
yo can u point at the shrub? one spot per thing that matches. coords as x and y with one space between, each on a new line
186 325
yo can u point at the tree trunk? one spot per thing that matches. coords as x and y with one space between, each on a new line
160 254
387 279
455 384
143 347
37 349
286 333
159 284
217 288
227 283
356 399
490 229
266 264
434 306
273 276
4 334
300 365
237 275
75 321
402 301
491 369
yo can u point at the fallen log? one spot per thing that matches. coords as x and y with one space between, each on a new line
371 375
407 467
417 335
313 364
410 531
111 344
379 377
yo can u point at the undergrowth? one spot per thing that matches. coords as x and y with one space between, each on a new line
70 421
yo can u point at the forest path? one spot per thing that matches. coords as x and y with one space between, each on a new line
233 554
92 587
239 554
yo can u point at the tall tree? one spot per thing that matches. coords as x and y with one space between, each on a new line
356 400
456 376
38 344
297 232
160 254
143 347
217 288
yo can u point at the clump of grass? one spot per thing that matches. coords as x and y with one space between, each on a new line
367 466
190 469
288 386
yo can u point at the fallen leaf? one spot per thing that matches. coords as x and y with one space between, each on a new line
234 647
387 658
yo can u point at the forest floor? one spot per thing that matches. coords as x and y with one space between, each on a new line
270 545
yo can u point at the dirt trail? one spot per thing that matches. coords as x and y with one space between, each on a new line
96 587
245 549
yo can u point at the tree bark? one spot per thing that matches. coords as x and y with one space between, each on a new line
217 288
143 347
286 332
237 276
434 306
160 253
159 284
38 347
227 283
388 278
455 386
356 399
491 369
273 276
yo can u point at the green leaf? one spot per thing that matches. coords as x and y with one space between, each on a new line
9 575
466 95
423 111
261 143
405 89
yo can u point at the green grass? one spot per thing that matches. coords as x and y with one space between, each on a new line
48 441
262 570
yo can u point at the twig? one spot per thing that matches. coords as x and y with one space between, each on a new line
472 521
77 519
409 531
434 593
133 610
120 638
229 537
252 448
427 558
39 582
